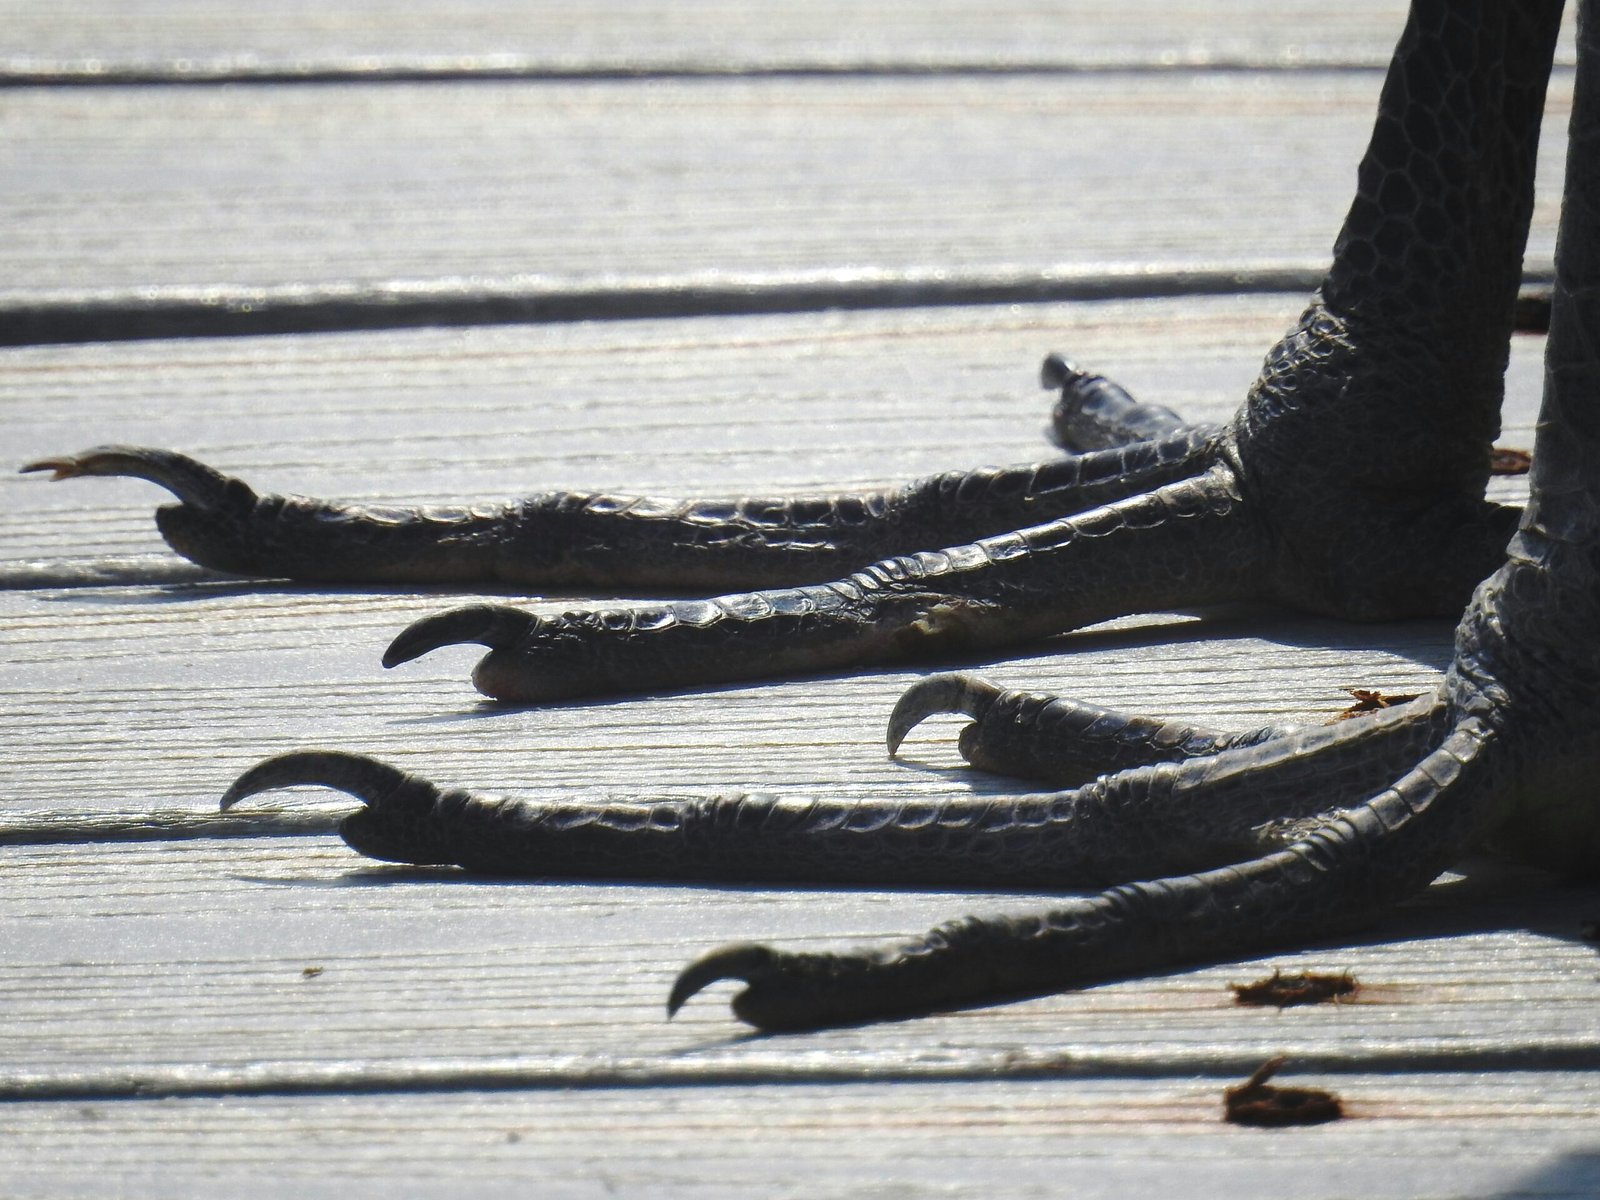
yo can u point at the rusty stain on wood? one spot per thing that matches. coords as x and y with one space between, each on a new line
1288 991
1259 1103
1370 700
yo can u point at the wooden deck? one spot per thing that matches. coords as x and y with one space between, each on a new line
814 245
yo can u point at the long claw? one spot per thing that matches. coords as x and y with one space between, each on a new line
947 693
399 821
741 960
496 626
365 778
190 481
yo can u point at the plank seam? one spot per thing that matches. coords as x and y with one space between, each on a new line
305 1079
31 73
164 825
249 311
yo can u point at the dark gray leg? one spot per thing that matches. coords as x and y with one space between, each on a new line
1517 766
1287 838
1350 483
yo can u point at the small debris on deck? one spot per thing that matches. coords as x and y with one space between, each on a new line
1257 1102
1287 991
1370 701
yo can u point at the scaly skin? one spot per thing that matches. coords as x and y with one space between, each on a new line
1516 765
1068 743
599 540
1350 482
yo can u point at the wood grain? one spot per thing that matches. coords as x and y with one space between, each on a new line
290 964
194 1006
200 39
621 185
1512 1135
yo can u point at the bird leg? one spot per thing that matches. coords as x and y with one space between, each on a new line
1350 483
1208 845
1521 706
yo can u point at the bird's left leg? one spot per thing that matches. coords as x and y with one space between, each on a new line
1506 753
1516 766
1350 483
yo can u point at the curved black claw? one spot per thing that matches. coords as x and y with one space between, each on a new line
190 481
401 820
744 961
222 523
1062 741
945 693
790 992
531 659
365 778
497 626
217 519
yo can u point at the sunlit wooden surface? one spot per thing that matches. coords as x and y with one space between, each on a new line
202 1006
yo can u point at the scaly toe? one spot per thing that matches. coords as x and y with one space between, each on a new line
946 693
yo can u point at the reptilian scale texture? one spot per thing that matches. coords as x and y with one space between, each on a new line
1349 483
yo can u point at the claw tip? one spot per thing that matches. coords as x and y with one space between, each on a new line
59 468
1057 371
493 625
737 961
356 774
946 693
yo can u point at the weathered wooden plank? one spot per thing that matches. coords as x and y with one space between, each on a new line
707 182
188 39
207 967
257 964
1412 1136
122 702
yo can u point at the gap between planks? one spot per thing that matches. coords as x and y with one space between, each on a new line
223 312
1519 1135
